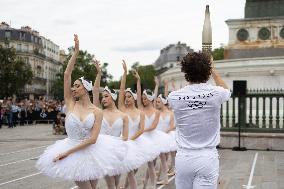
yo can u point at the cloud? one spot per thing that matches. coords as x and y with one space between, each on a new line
145 46
64 22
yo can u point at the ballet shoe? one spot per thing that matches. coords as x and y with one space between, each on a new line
162 182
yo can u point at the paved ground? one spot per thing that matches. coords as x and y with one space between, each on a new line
20 147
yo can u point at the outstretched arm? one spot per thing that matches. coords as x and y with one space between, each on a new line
156 90
121 97
172 123
96 87
139 97
155 122
217 78
166 92
67 74
173 85
141 126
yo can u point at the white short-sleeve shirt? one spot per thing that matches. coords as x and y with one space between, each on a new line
197 112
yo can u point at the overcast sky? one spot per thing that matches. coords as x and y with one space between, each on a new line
113 30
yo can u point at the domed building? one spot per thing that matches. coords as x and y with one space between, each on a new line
170 56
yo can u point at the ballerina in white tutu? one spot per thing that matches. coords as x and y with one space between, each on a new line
84 156
115 123
160 139
166 124
173 131
126 104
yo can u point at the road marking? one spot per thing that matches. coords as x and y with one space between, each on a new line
11 163
21 150
4 183
249 186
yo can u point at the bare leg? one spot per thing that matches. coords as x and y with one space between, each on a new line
152 174
84 184
164 169
172 168
146 178
116 181
110 182
94 183
132 180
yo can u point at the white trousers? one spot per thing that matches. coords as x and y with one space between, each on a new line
197 169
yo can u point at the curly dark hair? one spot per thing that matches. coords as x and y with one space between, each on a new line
197 67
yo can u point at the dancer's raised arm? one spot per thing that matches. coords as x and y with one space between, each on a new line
139 97
67 74
96 87
121 105
156 90
173 85
166 90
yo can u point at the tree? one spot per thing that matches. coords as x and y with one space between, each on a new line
83 67
14 73
147 74
218 54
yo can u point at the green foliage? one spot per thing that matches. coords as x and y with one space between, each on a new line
147 74
218 54
14 73
83 67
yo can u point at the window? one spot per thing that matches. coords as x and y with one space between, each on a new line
22 35
25 48
8 34
19 47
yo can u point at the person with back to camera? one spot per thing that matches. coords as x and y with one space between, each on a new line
197 111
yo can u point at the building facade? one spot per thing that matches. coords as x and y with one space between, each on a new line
40 53
255 50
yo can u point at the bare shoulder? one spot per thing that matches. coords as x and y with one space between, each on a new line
97 111
141 113
157 112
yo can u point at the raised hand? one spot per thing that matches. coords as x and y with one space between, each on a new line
212 63
135 74
124 66
156 80
166 82
76 40
97 65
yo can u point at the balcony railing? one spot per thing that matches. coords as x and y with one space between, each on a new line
264 112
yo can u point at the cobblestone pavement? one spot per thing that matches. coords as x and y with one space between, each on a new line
20 147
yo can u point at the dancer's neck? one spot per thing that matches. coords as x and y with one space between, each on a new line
131 107
84 101
111 108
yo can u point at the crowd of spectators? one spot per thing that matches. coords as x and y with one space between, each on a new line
20 112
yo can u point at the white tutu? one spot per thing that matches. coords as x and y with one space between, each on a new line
103 158
137 155
174 143
162 140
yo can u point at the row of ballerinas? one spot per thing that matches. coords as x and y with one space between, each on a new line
113 141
